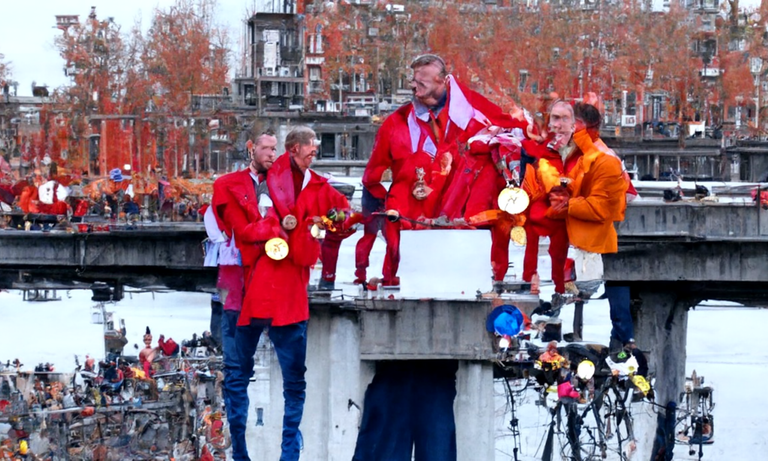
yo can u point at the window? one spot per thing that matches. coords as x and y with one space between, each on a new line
314 74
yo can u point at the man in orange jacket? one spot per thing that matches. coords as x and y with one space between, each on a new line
554 156
596 199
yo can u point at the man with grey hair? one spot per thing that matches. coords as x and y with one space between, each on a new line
287 203
408 406
419 144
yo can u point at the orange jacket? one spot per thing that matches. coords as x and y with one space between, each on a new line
598 198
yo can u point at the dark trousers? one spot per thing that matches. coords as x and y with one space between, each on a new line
216 313
229 349
290 343
409 404
621 316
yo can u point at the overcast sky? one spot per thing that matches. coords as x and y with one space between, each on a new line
27 30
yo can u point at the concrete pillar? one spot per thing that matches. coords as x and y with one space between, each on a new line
660 328
474 411
348 379
335 376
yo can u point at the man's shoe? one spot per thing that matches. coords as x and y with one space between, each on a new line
326 285
392 283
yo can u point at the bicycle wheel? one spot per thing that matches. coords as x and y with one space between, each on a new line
517 385
587 451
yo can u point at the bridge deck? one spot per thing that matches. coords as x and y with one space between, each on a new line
719 245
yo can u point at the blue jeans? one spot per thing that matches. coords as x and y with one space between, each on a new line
621 316
229 350
409 405
290 343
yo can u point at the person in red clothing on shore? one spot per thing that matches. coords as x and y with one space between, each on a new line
282 205
419 144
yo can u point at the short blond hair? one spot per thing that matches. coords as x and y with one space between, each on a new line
301 135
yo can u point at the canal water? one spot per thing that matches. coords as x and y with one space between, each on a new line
724 345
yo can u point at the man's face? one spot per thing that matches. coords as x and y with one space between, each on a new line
303 155
263 153
561 120
427 85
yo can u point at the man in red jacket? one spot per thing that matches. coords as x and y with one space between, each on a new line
419 143
230 221
283 205
409 404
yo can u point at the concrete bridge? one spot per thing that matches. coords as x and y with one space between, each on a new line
672 255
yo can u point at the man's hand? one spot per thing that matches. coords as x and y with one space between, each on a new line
558 200
591 98
559 207
445 163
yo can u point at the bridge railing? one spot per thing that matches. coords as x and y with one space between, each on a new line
734 219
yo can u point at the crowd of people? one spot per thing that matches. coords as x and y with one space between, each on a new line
48 190
50 412
451 153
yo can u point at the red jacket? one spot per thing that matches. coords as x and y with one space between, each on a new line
404 141
277 290
234 196
476 185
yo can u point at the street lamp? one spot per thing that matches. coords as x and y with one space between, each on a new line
756 65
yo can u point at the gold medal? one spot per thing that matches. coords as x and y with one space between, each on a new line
513 200
276 248
290 222
517 235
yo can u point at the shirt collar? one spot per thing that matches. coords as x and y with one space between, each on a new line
422 111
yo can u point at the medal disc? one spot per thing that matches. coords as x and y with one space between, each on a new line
276 248
513 200
517 235
289 222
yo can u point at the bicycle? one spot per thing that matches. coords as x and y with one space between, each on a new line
610 427
694 424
